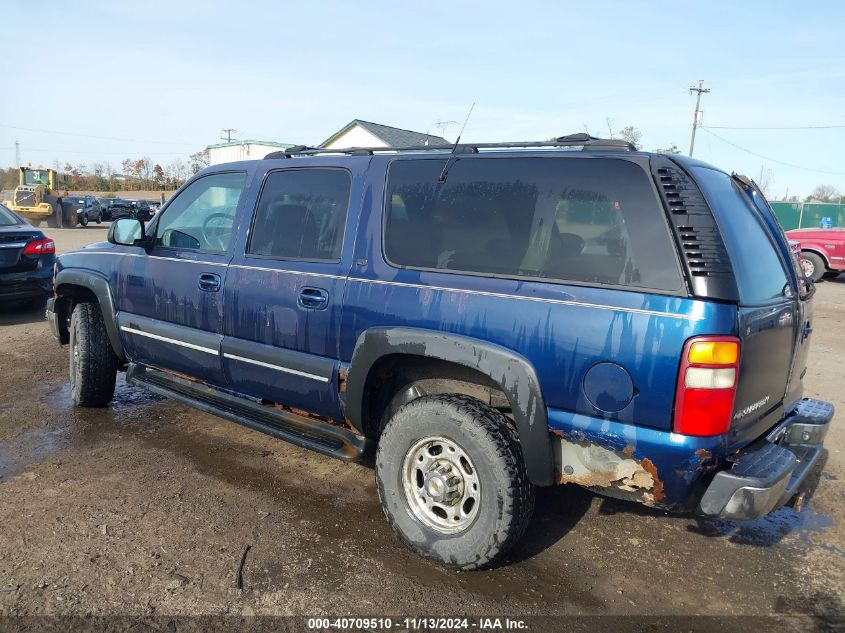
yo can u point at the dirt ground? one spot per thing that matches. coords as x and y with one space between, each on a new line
146 507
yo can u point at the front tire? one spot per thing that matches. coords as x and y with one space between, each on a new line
813 265
452 480
93 363
83 220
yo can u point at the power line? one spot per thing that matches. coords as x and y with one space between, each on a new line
769 158
695 117
785 127
92 152
228 132
102 138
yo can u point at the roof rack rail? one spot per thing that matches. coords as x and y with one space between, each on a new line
585 141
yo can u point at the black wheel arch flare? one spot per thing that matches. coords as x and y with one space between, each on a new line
513 373
99 286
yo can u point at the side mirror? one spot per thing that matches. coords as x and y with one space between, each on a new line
127 232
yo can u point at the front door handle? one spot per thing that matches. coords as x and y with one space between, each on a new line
209 282
805 333
313 299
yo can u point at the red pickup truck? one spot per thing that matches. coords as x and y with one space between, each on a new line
822 251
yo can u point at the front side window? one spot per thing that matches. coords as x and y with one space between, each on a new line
301 215
203 215
592 221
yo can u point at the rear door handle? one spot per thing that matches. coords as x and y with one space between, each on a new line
209 282
313 299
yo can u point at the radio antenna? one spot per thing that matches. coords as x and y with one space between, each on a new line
445 172
461 133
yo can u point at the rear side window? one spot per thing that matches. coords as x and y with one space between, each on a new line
758 269
583 220
301 215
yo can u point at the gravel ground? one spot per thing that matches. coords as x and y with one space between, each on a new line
145 508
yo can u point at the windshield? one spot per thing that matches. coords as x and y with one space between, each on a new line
76 203
36 177
7 218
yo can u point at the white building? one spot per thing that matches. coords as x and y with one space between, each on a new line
360 133
242 150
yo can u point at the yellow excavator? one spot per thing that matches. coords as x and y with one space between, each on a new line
38 197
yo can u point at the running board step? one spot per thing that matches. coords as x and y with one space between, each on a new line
304 431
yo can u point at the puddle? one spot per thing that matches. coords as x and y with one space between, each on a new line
125 395
74 428
27 448
771 529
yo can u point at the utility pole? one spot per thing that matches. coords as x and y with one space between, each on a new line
228 132
17 154
695 119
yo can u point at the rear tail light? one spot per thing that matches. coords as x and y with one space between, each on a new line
704 398
40 247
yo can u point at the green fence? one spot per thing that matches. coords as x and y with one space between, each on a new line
803 215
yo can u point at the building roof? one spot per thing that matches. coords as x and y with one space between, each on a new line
392 136
250 142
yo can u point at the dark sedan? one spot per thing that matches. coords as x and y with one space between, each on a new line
26 261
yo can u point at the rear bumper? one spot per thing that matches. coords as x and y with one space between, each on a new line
30 285
770 472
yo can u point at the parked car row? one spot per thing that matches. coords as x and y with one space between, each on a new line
114 208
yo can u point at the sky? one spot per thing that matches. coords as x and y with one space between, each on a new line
113 80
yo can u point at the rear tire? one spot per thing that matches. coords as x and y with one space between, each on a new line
813 265
452 480
93 363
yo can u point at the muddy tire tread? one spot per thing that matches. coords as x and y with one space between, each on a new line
504 437
97 370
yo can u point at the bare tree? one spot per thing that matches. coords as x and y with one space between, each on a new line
825 193
199 160
767 182
672 149
631 134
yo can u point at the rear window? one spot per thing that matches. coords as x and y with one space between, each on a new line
759 270
582 220
7 218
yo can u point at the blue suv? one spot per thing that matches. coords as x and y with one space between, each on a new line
483 319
